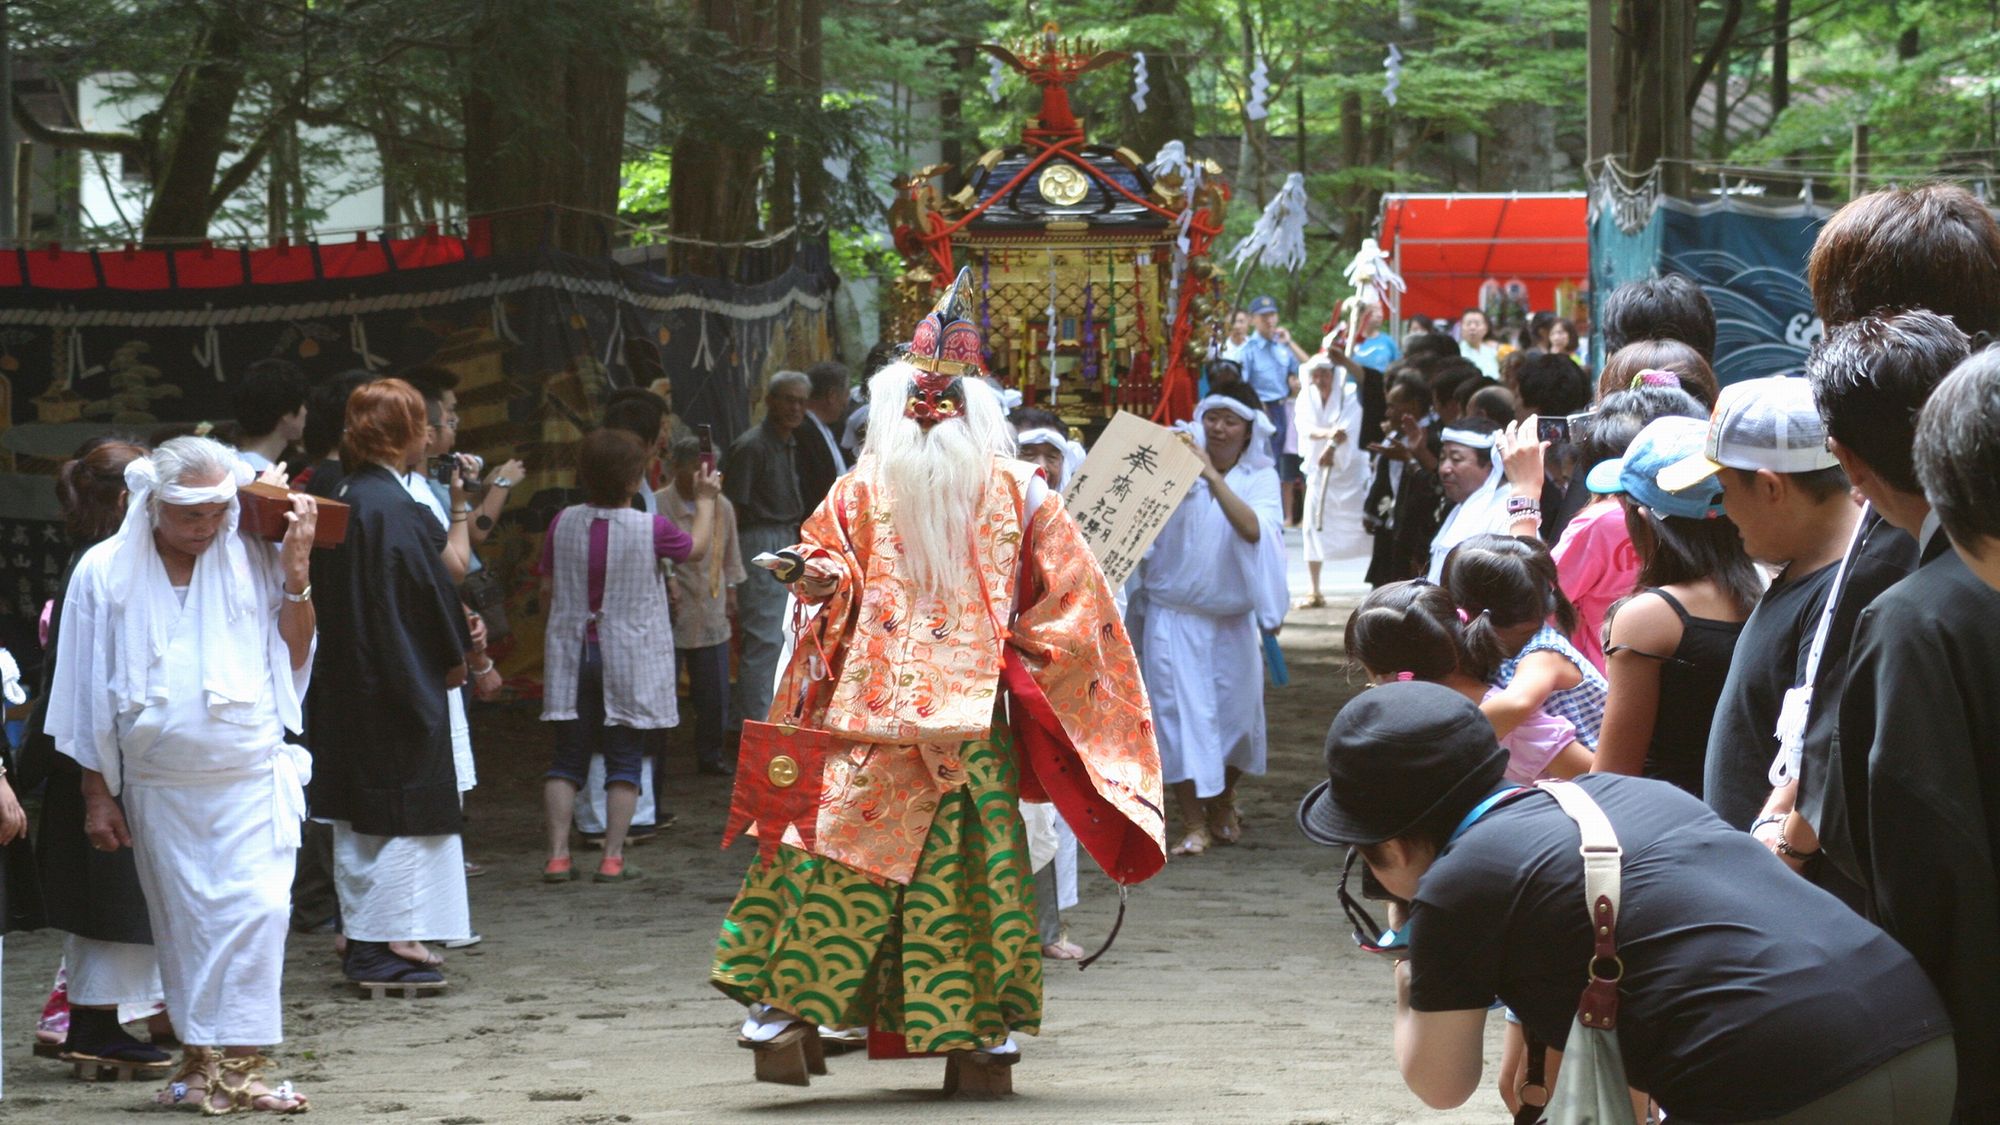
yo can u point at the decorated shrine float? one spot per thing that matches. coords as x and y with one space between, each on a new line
1092 277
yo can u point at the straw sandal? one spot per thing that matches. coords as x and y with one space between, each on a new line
238 1078
223 1085
1195 842
1225 826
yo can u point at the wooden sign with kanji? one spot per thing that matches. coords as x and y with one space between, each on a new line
1123 493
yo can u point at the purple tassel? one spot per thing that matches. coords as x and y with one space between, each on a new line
1089 329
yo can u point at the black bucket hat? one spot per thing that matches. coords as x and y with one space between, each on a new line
1397 756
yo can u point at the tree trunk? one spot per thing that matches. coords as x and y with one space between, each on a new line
1169 112
543 142
1250 150
193 140
783 187
713 196
812 83
1353 154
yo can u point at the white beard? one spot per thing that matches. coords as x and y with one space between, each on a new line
935 480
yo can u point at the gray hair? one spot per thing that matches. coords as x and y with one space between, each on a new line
798 379
191 460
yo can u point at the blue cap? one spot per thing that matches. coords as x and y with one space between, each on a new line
1664 441
1260 305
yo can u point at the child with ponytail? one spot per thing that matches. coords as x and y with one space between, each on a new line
1410 631
1514 623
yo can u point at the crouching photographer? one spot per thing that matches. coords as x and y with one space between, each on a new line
1718 982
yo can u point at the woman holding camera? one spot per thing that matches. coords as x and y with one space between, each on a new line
609 658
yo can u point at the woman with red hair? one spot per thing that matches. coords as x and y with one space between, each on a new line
392 642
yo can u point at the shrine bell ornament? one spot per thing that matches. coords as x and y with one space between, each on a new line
944 349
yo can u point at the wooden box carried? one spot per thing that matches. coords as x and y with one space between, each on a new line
264 508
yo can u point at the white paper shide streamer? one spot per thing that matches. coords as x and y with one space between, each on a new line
1279 238
1392 64
1260 85
1173 161
996 70
1139 87
1374 279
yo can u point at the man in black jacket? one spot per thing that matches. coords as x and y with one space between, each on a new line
1920 721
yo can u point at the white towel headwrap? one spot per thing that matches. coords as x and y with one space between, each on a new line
223 591
1072 451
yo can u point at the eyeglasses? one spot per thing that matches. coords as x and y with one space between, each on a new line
1368 935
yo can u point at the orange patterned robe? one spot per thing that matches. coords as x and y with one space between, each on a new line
916 676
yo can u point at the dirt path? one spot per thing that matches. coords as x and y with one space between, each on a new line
1234 994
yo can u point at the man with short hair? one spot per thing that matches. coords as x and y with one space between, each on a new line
820 460
761 478
1920 717
1660 308
270 404
1403 499
184 651
1743 994
646 416
1958 461
1936 247
1269 357
1789 500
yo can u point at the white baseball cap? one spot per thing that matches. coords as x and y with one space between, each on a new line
1758 424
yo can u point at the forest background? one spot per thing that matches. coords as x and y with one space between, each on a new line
707 123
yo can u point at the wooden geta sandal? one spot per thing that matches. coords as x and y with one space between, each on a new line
789 1058
979 1074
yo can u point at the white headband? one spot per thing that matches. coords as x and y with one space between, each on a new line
1224 402
142 479
1472 439
1041 435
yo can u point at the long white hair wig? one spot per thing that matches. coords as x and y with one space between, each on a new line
934 477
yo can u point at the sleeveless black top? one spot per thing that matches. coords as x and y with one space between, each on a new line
1690 685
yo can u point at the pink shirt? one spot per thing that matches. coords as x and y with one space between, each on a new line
1534 744
1596 565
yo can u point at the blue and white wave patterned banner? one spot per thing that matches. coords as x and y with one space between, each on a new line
1749 259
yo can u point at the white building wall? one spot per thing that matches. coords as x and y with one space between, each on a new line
351 199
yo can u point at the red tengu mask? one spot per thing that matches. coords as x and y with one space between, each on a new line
935 398
945 348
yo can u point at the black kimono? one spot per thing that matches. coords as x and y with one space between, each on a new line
1832 783
390 629
1921 703
85 892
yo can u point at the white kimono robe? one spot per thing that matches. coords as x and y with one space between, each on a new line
213 804
1209 597
1335 493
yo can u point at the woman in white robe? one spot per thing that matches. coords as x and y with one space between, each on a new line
1215 581
184 653
1327 418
